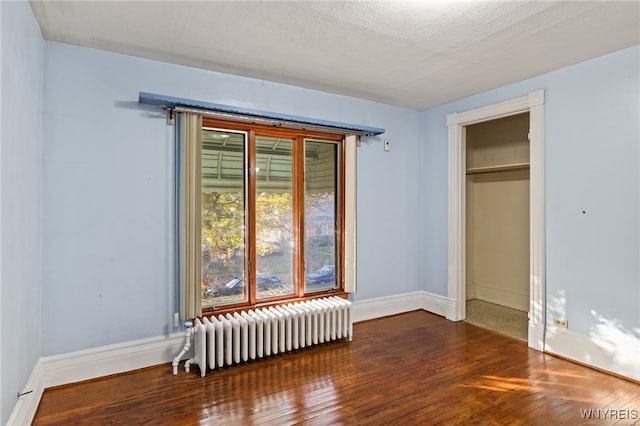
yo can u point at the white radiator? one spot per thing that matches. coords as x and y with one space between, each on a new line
257 333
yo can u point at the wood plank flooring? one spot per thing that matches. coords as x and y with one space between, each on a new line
416 368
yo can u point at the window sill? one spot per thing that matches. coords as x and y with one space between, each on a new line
231 309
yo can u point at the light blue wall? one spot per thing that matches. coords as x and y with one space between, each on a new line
592 164
20 199
107 259
107 200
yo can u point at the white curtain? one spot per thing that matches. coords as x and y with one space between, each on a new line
351 143
189 214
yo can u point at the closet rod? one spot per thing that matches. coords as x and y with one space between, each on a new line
501 168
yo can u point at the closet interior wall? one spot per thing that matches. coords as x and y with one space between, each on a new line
497 216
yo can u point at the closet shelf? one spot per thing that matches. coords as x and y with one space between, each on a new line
500 168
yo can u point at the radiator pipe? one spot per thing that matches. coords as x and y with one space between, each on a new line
187 344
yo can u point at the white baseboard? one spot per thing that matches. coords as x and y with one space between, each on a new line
102 361
437 304
26 407
581 348
363 310
89 364
112 359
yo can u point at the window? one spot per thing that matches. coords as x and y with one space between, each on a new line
272 207
303 180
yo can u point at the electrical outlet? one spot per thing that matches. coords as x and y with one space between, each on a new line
559 322
387 146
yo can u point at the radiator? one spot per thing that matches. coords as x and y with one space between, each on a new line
229 339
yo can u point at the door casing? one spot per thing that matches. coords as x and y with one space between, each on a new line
456 275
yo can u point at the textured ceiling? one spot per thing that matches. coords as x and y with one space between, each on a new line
411 54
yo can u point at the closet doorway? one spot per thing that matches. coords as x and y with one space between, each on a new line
457 124
497 225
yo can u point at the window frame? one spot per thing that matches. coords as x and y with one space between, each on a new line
298 137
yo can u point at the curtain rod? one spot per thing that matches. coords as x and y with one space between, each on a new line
238 118
246 115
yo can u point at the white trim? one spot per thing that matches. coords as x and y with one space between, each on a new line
364 310
118 358
456 122
89 364
586 350
26 407
536 336
457 258
111 359
437 304
537 286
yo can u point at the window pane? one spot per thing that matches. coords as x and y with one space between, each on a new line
274 217
320 207
223 217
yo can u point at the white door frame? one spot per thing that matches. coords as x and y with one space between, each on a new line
534 104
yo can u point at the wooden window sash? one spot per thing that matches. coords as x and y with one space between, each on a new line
298 137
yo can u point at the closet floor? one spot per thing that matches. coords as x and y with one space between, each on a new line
503 320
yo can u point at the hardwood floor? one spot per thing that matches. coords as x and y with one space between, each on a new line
415 368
